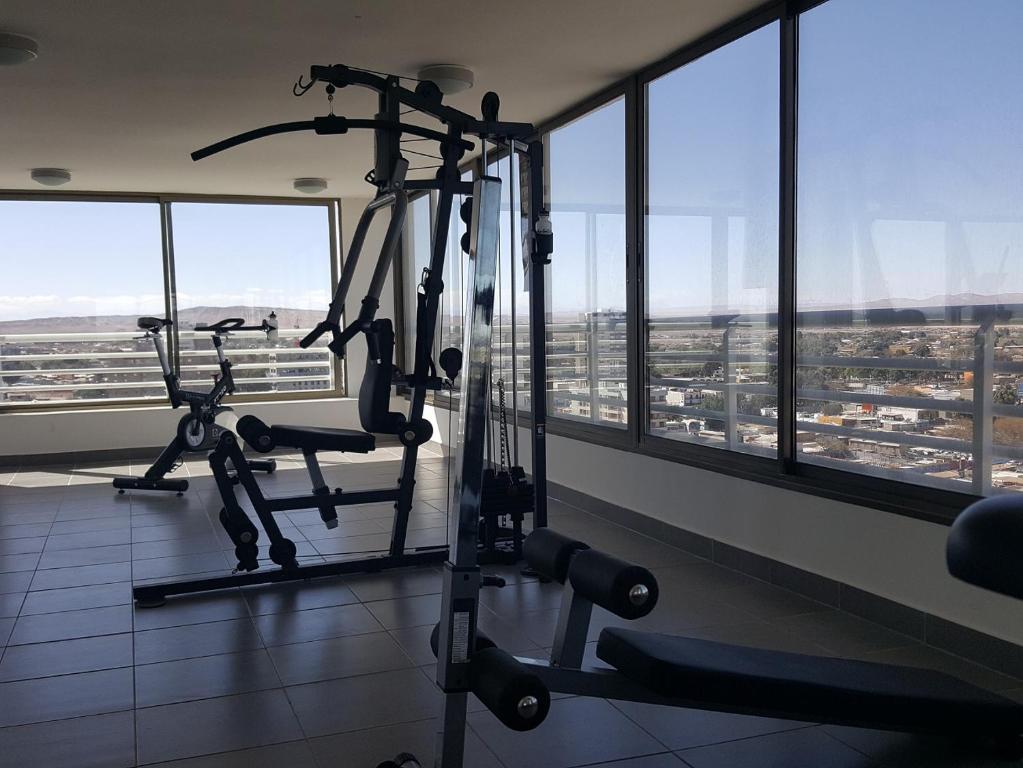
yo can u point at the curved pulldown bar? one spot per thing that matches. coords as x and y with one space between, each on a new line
328 125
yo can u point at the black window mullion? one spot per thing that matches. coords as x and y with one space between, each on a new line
170 287
634 307
787 243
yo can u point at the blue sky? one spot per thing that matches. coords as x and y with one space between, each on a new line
910 187
68 259
910 165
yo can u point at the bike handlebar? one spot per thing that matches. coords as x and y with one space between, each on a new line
231 324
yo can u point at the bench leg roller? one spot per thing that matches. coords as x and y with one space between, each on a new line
516 696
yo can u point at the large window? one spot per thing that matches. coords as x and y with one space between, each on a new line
830 292
253 261
910 242
76 275
587 347
711 245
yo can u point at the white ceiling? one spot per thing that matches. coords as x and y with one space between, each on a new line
123 90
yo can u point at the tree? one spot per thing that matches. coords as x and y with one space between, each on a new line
711 369
751 405
715 402
832 409
1005 394
923 350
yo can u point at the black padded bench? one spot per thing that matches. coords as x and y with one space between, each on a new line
794 686
322 438
263 437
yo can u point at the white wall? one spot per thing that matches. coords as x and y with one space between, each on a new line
887 554
25 434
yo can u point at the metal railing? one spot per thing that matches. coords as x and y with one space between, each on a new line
54 368
732 358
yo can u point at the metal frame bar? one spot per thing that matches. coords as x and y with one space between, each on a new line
788 70
155 593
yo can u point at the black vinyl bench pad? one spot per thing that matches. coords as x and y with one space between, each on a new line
809 688
322 438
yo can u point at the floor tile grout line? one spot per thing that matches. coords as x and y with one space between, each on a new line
35 570
62 719
134 658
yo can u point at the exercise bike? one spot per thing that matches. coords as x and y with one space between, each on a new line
198 430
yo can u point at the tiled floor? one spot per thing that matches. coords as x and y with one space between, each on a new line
338 673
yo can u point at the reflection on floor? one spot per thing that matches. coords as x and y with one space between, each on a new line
338 673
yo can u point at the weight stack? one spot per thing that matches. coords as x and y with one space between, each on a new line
505 500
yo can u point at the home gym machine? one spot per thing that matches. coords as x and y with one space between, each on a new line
198 430
678 671
388 176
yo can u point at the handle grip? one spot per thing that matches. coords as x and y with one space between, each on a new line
315 333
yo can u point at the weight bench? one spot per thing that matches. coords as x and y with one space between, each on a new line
707 675
256 433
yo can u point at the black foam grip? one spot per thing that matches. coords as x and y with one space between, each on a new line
503 683
609 582
255 433
549 553
482 641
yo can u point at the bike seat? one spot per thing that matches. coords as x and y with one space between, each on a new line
152 324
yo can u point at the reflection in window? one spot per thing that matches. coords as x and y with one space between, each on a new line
711 233
77 275
250 260
910 242
586 341
511 290
416 240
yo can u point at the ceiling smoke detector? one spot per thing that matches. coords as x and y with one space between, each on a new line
17 49
450 78
51 177
310 186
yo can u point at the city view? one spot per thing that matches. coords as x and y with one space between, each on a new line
52 360
893 399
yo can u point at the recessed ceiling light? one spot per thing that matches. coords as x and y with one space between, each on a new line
310 186
17 49
450 78
51 177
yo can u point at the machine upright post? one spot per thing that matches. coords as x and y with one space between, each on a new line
460 600
537 245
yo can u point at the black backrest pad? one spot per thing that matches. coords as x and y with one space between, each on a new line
375 392
985 545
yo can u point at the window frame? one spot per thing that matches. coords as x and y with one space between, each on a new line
164 201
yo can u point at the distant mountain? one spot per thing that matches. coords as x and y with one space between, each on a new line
953 300
187 319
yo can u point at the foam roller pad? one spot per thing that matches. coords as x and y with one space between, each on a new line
255 433
549 553
609 582
502 682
